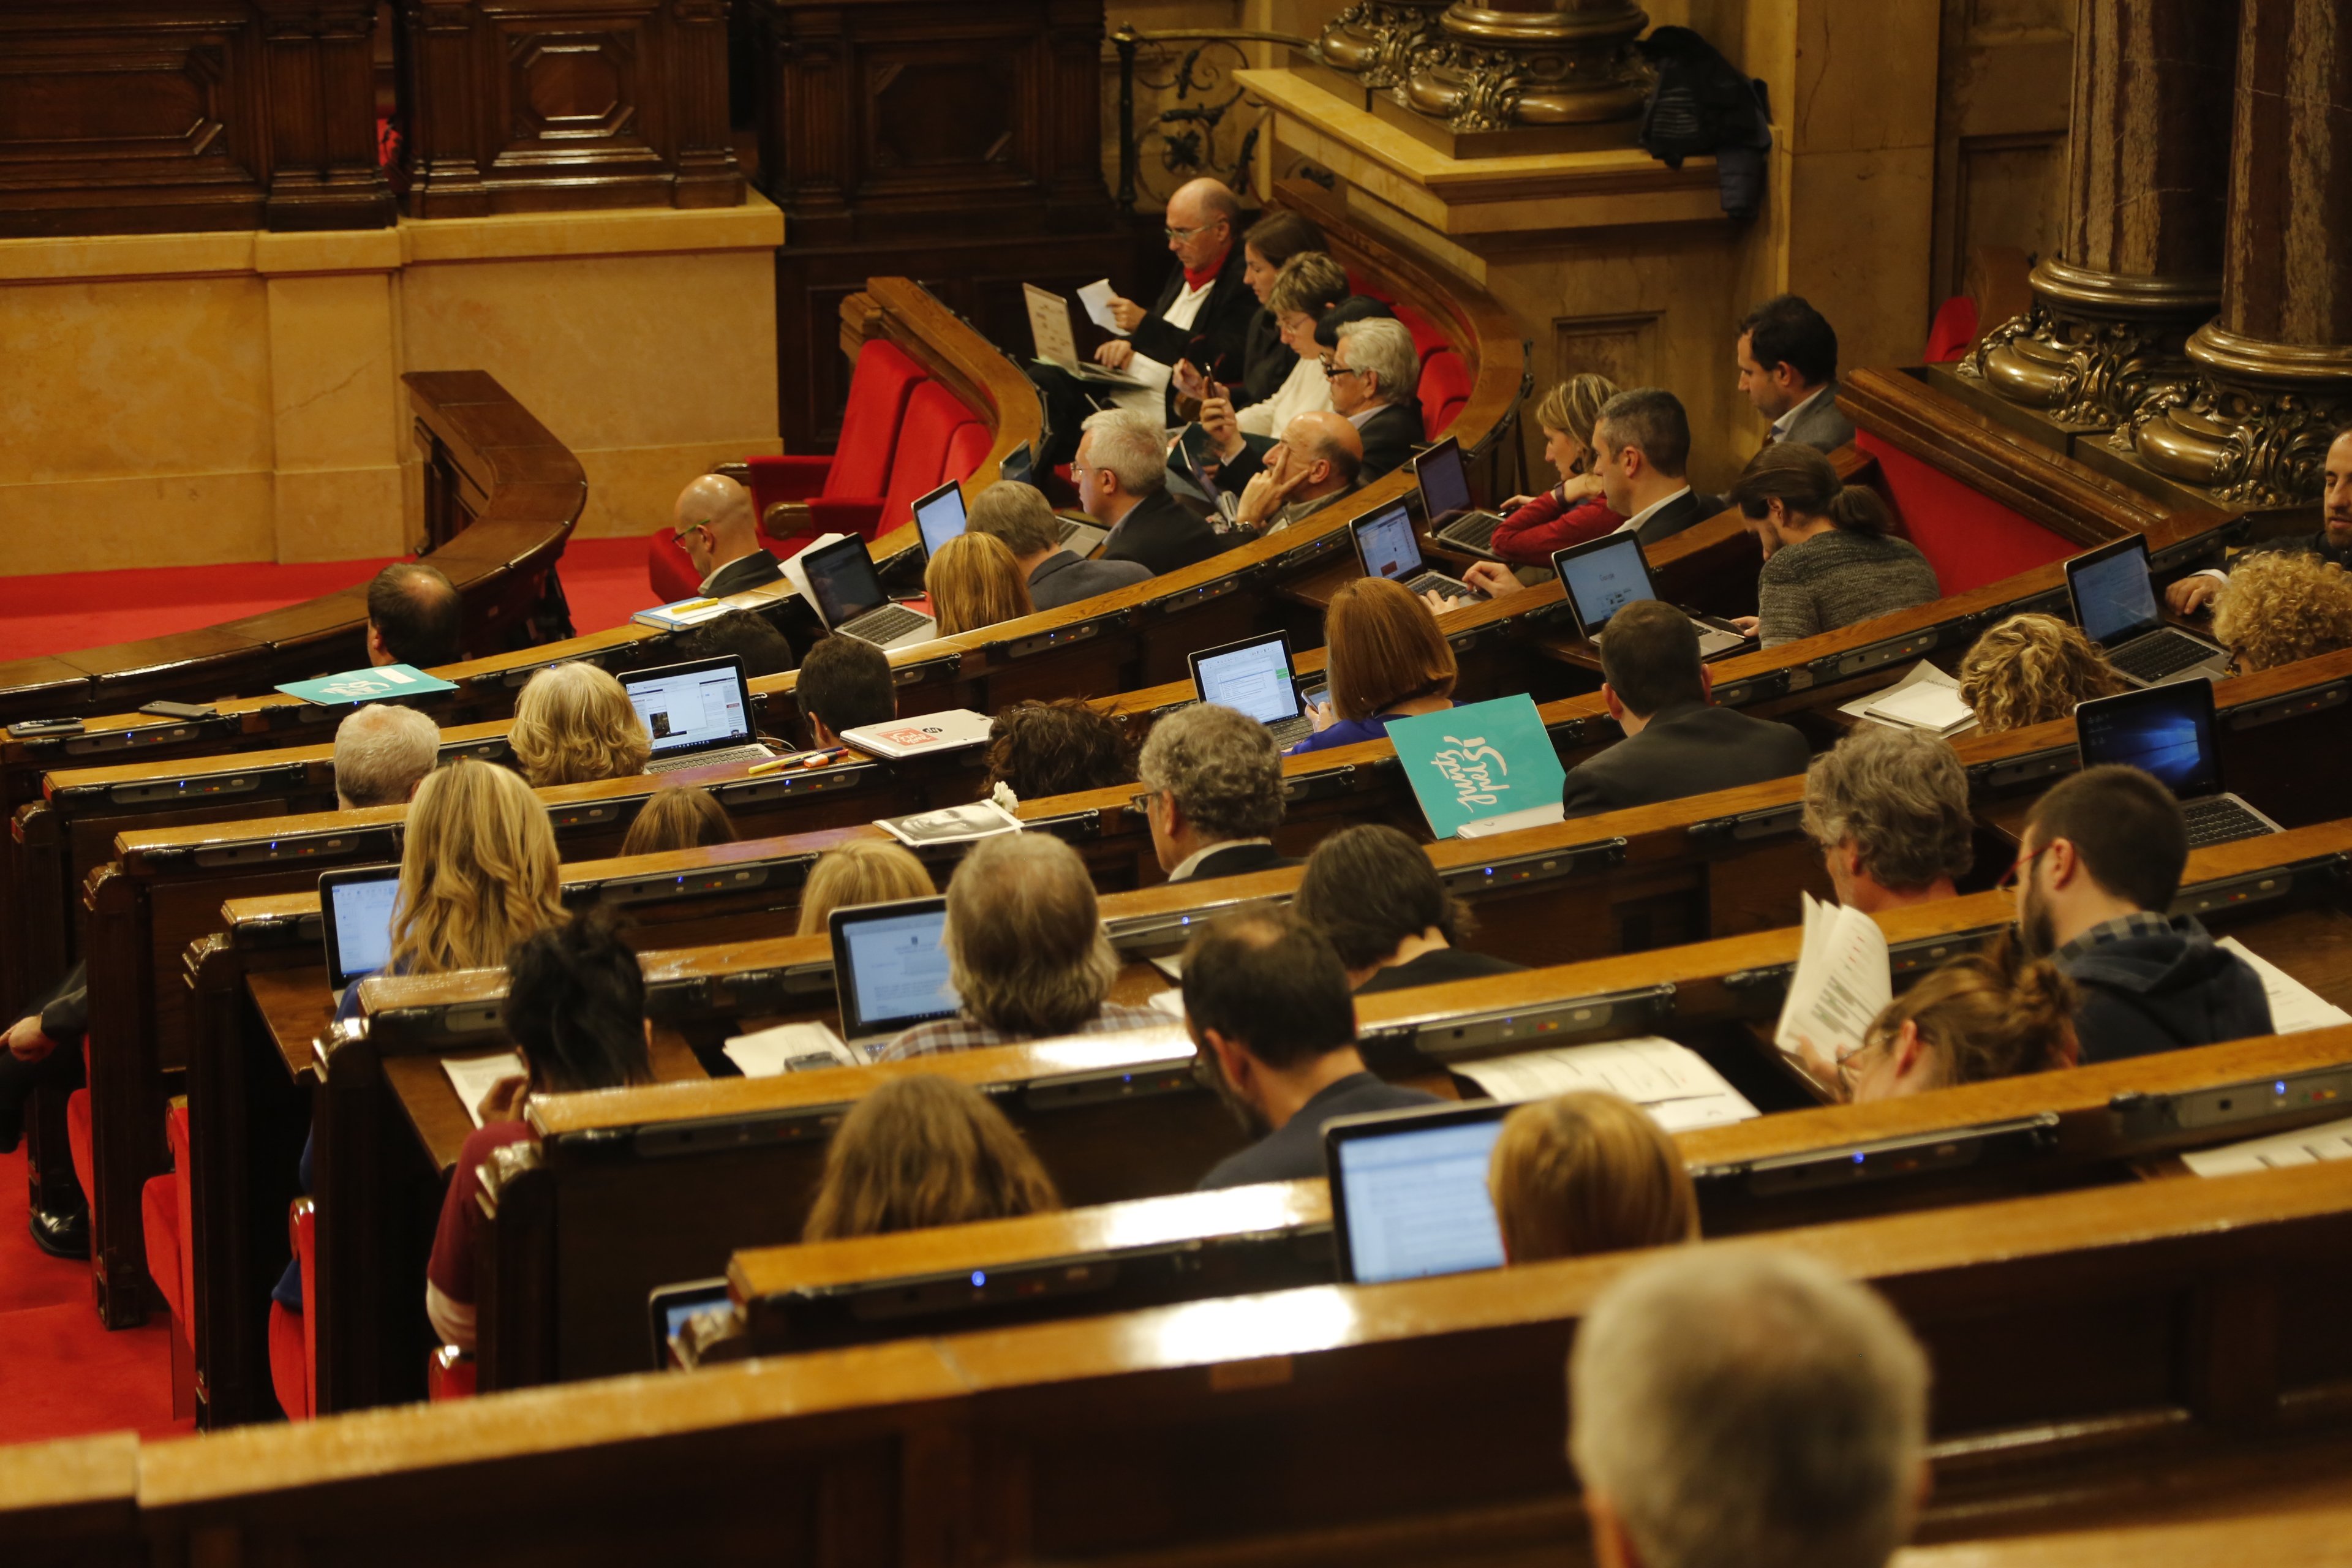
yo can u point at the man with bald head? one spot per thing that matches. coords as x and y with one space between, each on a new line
1203 311
1318 460
718 531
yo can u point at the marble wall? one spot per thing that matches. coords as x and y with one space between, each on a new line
183 399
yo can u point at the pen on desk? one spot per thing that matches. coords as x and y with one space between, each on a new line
816 759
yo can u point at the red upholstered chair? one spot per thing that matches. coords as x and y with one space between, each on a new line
293 1342
449 1373
1444 390
1426 339
165 1228
1952 332
927 435
77 1130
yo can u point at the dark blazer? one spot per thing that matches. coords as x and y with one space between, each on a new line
1676 515
1164 534
1267 360
1437 967
1690 748
1239 862
753 571
1062 578
1390 435
1224 320
1820 425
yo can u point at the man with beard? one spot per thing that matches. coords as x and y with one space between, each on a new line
1268 1008
2101 858
2333 542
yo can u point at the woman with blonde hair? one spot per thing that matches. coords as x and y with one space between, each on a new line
574 724
2031 670
479 873
678 817
1573 511
862 871
1387 660
921 1152
974 581
2281 605
1986 1016
1585 1173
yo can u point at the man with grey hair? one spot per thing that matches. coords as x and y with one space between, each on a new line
1374 372
1213 792
1026 953
1317 461
1889 809
1737 1407
1641 450
1021 517
1121 472
382 753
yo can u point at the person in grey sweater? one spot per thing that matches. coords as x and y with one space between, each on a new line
1829 561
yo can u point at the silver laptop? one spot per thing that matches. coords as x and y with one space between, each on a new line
1254 677
890 967
1080 536
1050 335
1385 547
1601 577
850 600
2115 605
938 517
2167 731
1444 484
355 908
696 713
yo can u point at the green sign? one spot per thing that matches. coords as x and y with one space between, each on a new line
374 685
1486 759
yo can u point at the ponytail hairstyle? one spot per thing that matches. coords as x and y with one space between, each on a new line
576 1006
1806 484
1989 1014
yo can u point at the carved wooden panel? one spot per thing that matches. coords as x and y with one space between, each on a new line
1623 348
939 116
2004 93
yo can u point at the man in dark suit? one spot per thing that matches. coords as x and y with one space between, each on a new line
1375 373
1204 310
720 535
2332 544
1677 742
1641 450
1787 369
1021 517
1121 472
1213 792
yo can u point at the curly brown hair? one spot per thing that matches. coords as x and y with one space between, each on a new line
1060 747
2031 670
2281 606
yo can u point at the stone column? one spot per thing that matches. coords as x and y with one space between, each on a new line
2274 371
1375 40
2140 261
1532 62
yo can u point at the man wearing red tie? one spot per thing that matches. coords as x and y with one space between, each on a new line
1203 311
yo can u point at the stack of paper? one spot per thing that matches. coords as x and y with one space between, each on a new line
1842 982
1925 698
951 825
2329 1140
474 1077
1670 1081
2294 1004
791 1047
1097 296
682 613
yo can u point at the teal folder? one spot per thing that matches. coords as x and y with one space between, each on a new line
374 685
1477 763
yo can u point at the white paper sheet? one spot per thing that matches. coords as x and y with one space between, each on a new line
474 1077
1670 1081
1842 982
2328 1141
1170 1002
2294 1004
1920 674
1097 296
1512 821
1924 705
766 1053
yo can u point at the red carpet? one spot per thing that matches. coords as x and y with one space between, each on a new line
62 1374
603 578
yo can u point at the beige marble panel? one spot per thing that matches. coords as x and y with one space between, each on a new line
632 489
1865 75
1860 228
335 391
340 514
163 519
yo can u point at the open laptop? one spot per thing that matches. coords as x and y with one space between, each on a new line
696 713
1050 335
669 1308
2115 605
850 600
2168 730
355 907
1444 484
1385 547
1603 576
1409 1192
890 967
1254 677
938 517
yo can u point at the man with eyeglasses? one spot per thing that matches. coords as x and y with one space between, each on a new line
1375 371
1203 311
1212 791
721 536
2099 863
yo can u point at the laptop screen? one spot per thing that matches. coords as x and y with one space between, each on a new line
692 707
1384 543
2114 598
890 966
1603 578
1252 677
2167 731
938 517
356 906
1444 484
841 576
1410 1193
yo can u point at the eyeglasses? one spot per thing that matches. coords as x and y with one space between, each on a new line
2016 873
1334 371
1141 803
678 538
1181 234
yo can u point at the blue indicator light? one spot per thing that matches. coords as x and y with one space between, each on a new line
2281 1085
1858 1159
979 1279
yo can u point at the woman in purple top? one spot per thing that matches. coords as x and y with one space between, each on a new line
1386 660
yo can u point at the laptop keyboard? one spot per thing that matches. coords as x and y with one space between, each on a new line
1069 530
708 759
1474 529
1288 733
1438 583
2217 819
885 626
2160 654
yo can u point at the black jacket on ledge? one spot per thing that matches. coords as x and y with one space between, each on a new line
1224 319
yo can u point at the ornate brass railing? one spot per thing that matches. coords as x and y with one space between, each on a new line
1185 127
